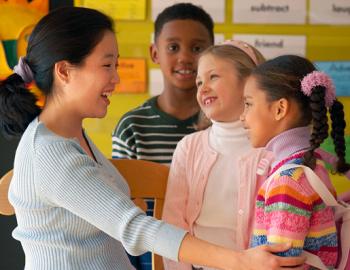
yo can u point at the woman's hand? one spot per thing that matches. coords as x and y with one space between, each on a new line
261 258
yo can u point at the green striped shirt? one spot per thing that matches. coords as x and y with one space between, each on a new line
148 133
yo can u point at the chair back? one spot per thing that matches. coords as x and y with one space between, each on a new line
146 179
5 206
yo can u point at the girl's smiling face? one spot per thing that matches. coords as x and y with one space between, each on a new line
220 89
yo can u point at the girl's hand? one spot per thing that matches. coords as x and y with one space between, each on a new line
262 258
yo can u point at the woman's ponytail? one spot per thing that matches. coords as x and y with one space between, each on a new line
17 106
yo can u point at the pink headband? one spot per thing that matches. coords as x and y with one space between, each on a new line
318 78
242 46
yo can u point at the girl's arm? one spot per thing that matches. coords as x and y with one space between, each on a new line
176 199
283 212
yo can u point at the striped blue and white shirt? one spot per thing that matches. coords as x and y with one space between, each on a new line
74 212
148 133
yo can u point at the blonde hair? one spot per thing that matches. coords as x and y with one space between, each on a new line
242 62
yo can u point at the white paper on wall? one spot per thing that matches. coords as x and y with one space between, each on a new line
219 38
330 12
155 82
216 8
269 11
274 45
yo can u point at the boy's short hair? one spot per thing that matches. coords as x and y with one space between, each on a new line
184 11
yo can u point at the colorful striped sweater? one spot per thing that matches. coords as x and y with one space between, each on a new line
289 210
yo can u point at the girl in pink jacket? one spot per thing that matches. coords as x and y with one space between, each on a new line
212 183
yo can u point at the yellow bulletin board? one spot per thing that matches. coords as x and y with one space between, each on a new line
323 43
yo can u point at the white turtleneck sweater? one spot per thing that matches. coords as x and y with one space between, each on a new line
216 222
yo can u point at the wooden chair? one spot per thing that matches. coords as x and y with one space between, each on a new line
5 206
146 179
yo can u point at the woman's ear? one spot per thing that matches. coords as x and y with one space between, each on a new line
61 71
280 108
154 53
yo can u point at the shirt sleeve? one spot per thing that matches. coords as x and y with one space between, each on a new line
123 141
285 209
70 179
174 211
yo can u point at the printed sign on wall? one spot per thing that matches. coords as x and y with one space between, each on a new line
339 72
274 45
132 72
330 12
119 9
216 8
269 11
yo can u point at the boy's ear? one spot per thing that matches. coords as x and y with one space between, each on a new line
154 53
61 71
281 108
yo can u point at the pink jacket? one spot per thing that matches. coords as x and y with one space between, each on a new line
190 168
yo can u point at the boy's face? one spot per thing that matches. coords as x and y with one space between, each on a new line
177 50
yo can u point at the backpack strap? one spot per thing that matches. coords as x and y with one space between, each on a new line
316 183
341 209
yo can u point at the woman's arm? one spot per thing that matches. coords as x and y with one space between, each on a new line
68 178
196 251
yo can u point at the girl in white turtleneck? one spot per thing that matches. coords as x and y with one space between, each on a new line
213 182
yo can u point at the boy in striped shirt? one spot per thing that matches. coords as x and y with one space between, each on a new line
151 131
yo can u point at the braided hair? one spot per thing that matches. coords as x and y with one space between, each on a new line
282 77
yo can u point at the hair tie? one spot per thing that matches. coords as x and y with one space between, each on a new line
318 78
23 70
244 47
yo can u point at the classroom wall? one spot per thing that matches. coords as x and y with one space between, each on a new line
324 42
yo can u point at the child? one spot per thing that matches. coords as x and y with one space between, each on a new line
286 95
72 206
212 182
151 131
